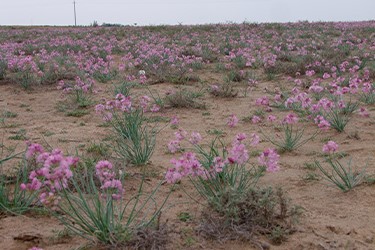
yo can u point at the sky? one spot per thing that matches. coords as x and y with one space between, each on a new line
156 12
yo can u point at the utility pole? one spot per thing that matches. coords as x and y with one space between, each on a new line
75 15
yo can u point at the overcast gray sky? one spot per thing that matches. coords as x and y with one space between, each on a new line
145 12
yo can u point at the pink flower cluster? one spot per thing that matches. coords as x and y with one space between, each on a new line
290 119
232 121
106 175
52 174
330 147
174 121
238 154
269 158
186 165
79 85
123 103
323 124
189 164
180 135
174 145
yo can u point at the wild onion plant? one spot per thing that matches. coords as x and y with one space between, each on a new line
219 175
134 139
80 91
293 136
336 118
368 93
99 214
13 198
336 113
342 176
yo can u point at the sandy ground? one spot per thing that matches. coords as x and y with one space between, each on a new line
331 219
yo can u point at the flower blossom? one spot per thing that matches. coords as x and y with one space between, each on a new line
232 121
330 147
195 138
290 119
269 158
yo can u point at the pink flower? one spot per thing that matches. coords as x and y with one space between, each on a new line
180 134
114 187
214 88
107 116
174 146
290 119
323 124
262 101
238 154
330 147
364 112
195 138
271 118
51 175
255 119
99 108
367 88
144 101
34 149
252 82
175 121
254 139
240 137
310 72
155 108
269 158
219 164
186 165
173 176
23 186
316 89
104 170
232 121
142 79
277 98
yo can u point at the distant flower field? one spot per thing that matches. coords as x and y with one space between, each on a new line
181 137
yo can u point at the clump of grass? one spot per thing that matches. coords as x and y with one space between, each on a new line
184 99
98 150
150 237
311 176
20 135
184 216
77 112
216 132
123 88
61 236
9 114
225 90
258 212
105 77
236 76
